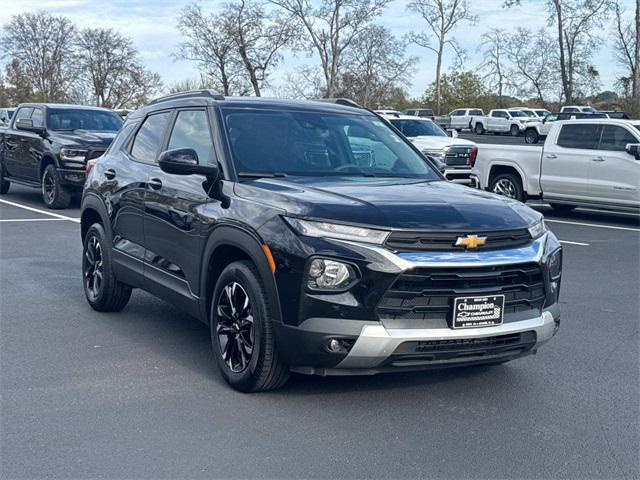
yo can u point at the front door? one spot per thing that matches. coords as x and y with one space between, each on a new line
14 147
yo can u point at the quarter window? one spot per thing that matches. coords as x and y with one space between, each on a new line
579 135
191 130
616 138
147 141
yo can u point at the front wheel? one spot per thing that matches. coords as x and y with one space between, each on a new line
479 129
531 137
54 194
103 291
514 131
562 208
241 329
508 185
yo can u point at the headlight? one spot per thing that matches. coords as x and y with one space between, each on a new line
554 264
537 230
434 153
326 274
73 156
341 232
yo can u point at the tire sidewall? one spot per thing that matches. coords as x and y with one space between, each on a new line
514 181
531 137
513 130
107 276
240 273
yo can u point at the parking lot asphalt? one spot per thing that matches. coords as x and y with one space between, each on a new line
136 394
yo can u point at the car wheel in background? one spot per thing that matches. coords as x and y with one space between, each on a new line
4 184
55 196
508 185
531 137
514 130
242 335
479 128
562 208
103 291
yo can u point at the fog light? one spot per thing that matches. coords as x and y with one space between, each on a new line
325 274
339 345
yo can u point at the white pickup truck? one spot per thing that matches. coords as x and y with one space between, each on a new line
500 121
586 163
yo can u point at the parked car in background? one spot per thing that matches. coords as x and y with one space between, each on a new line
538 130
534 113
616 114
5 115
388 112
267 220
500 120
578 109
459 119
420 112
588 163
47 145
123 112
456 154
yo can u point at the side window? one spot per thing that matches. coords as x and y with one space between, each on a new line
37 117
146 144
191 130
24 112
616 138
122 136
495 114
579 135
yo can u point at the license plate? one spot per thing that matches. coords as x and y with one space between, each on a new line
471 312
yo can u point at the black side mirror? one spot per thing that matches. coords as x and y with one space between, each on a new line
633 149
184 161
26 124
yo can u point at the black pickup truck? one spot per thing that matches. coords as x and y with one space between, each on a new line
47 145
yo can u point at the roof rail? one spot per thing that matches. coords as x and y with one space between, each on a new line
188 94
340 101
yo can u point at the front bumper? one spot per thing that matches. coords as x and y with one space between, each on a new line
72 177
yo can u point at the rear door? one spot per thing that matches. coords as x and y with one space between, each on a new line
567 159
171 217
14 147
32 147
615 175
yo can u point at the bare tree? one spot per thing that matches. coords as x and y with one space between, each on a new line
305 82
442 16
42 45
636 77
494 61
626 49
332 27
259 38
577 23
375 67
534 59
209 44
109 66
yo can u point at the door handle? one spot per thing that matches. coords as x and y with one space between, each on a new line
110 174
597 159
155 183
551 155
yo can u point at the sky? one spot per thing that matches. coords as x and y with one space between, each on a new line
152 26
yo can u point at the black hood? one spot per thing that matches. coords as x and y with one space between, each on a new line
84 138
392 203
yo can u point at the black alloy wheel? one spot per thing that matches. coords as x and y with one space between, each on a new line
235 328
92 268
54 194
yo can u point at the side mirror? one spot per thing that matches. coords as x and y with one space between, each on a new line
184 161
26 124
454 133
633 149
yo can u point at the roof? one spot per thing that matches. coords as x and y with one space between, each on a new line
607 121
405 117
63 106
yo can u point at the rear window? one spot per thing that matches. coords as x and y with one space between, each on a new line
579 135
147 141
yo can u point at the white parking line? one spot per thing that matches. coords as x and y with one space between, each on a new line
574 243
43 212
9 220
597 225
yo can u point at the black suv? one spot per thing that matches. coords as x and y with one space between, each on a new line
47 145
312 237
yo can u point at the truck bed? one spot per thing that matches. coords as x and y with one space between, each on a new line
525 159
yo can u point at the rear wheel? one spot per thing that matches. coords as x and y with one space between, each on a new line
531 136
242 335
103 291
514 130
508 185
54 194
562 208
479 128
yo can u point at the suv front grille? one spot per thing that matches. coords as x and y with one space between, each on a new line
445 241
428 293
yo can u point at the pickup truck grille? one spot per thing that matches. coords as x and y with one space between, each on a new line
446 241
456 155
428 293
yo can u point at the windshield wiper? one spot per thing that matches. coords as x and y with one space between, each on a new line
261 175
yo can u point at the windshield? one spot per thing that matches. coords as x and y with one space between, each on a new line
517 113
588 110
82 119
275 142
542 113
418 128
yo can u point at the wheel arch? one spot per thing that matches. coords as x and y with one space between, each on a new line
93 210
500 168
225 245
45 161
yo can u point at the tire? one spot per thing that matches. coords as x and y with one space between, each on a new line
55 196
514 131
508 185
479 129
242 336
531 137
4 184
104 292
562 208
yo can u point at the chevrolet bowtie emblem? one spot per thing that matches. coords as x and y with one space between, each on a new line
470 241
